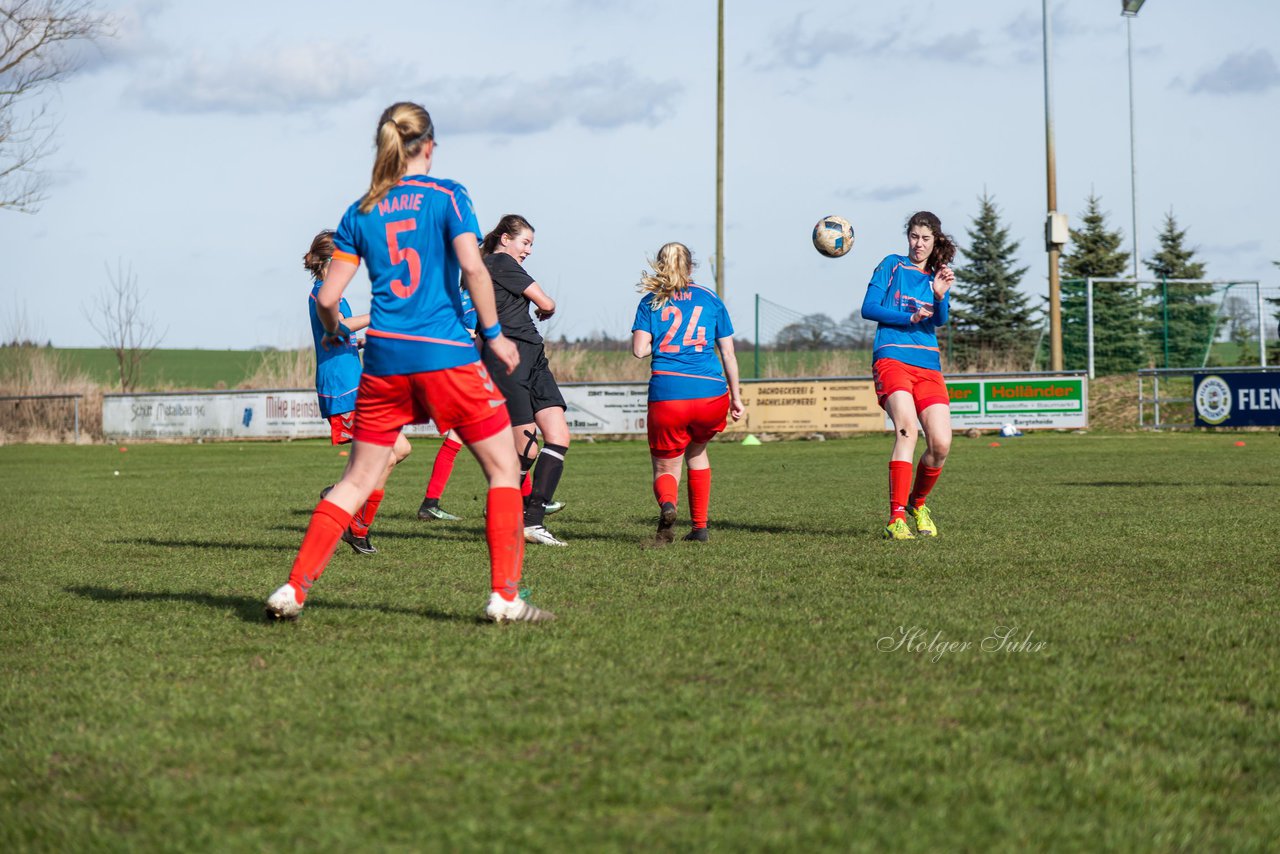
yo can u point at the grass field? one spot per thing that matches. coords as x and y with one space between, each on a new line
183 369
744 695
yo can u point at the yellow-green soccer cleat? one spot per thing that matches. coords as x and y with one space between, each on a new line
898 530
925 525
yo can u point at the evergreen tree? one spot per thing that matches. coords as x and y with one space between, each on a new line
1180 317
1117 308
1273 355
991 321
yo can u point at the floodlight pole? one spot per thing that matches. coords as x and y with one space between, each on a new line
720 151
1129 9
1052 246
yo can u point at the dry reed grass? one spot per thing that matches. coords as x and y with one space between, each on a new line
817 363
284 369
572 363
29 371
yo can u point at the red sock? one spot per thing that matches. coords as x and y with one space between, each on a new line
899 488
526 485
699 495
442 468
926 477
361 521
328 521
504 531
666 489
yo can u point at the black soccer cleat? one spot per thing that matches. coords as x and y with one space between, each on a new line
359 545
696 535
666 525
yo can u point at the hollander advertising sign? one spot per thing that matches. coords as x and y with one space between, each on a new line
1028 403
1230 399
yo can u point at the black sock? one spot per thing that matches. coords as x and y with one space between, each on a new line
546 477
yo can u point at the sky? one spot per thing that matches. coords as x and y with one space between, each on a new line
203 146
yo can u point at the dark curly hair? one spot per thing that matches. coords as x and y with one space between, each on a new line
944 248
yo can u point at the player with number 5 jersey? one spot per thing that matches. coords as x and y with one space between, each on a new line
416 234
694 385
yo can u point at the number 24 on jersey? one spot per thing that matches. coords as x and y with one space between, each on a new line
695 336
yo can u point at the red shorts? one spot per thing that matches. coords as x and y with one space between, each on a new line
464 398
927 386
342 427
676 424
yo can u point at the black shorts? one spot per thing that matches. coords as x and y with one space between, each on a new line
530 388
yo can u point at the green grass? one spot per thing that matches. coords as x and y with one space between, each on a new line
730 696
183 369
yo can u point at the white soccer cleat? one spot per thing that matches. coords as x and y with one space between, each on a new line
541 536
499 610
284 604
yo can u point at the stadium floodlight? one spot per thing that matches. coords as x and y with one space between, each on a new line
1129 9
1051 169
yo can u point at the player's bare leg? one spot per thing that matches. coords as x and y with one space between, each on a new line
357 533
329 521
901 407
546 474
936 420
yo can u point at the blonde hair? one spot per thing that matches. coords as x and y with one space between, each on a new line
402 131
672 270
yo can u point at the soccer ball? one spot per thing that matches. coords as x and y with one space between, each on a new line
833 236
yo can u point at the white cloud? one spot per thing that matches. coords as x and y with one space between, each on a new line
601 97
885 193
268 80
797 46
1240 73
129 37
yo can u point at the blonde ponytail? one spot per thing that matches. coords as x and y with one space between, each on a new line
402 131
672 270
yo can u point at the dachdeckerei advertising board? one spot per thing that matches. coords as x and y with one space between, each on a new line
772 406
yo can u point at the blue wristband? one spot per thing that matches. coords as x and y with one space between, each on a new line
491 332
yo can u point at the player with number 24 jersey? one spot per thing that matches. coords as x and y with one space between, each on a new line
685 330
693 389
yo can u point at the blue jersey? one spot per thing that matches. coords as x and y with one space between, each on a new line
897 289
407 242
685 330
338 368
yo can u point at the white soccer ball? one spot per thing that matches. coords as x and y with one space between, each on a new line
1010 430
833 236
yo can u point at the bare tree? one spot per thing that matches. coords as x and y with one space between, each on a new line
811 332
36 37
116 315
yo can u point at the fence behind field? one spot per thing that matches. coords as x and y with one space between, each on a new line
37 417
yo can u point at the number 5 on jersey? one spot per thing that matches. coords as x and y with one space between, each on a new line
409 254
695 336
